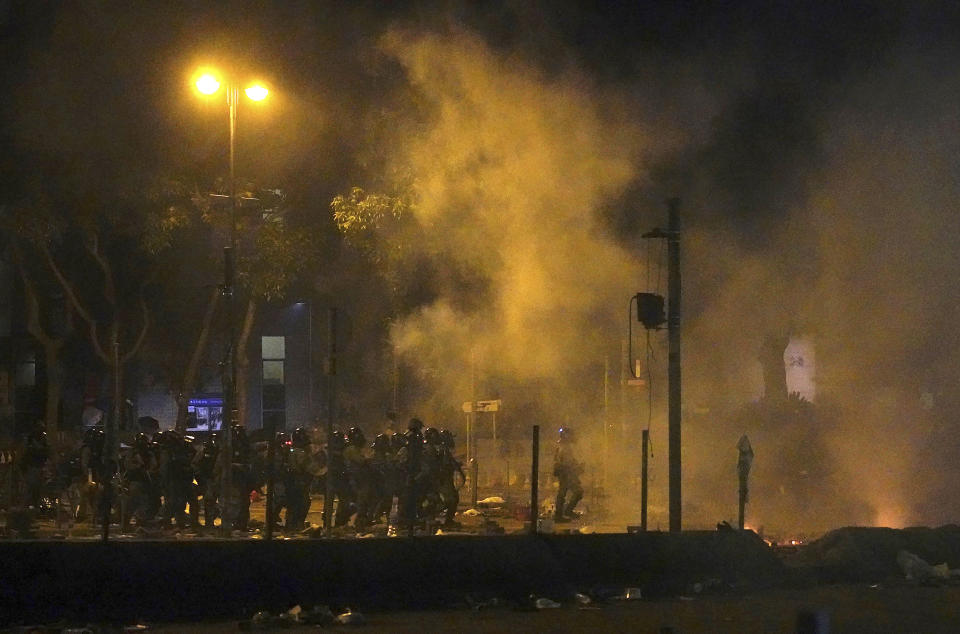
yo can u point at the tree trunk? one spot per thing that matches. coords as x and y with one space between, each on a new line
190 375
242 360
51 346
51 353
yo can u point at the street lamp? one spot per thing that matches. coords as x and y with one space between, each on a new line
208 83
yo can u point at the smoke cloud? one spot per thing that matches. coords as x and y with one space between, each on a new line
841 235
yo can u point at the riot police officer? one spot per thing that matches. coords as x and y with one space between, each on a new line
235 509
205 469
356 460
449 468
298 474
567 469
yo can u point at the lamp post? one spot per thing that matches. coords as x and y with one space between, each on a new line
208 84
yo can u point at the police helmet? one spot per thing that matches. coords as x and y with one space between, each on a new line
446 438
336 440
355 436
397 441
431 435
299 437
415 423
381 443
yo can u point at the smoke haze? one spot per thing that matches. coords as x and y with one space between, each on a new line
842 238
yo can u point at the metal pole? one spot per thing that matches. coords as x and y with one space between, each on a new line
271 476
474 475
743 505
109 457
643 480
331 416
229 378
606 417
535 480
310 412
673 356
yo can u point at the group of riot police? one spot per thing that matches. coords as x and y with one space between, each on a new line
166 480
405 478
172 481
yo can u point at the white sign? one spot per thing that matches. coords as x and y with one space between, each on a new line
488 406
482 406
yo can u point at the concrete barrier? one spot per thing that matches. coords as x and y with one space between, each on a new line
169 581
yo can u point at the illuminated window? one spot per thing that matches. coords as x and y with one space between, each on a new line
273 385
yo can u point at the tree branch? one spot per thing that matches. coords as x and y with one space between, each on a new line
143 331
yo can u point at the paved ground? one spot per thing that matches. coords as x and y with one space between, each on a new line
500 518
849 609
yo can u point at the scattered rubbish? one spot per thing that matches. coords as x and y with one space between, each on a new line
629 594
582 599
544 603
495 500
291 616
587 530
131 629
478 604
351 618
472 513
605 593
365 536
916 569
319 615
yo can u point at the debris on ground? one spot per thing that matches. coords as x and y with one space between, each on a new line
491 501
629 594
351 618
319 615
916 569
543 603
582 599
477 603
472 513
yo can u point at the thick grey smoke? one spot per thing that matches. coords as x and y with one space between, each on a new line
513 172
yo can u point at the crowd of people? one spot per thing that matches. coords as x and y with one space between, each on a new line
170 481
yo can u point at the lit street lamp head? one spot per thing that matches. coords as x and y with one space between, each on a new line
257 92
207 84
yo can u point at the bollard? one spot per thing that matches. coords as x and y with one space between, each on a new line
535 480
643 480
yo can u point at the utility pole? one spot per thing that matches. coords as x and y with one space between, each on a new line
673 359
331 416
643 479
672 235
229 376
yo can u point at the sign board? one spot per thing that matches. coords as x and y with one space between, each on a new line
481 406
636 382
488 406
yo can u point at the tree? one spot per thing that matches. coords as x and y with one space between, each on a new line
49 319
